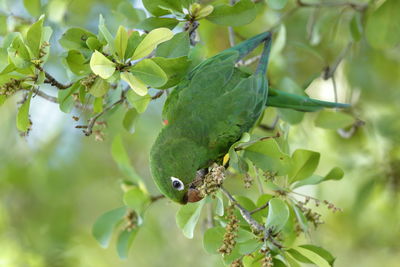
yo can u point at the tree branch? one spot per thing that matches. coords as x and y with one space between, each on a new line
51 80
245 213
89 129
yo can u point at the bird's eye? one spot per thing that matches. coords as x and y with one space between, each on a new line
177 184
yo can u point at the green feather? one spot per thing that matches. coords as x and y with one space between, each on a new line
281 99
210 110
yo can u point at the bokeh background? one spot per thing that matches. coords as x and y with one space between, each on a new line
55 182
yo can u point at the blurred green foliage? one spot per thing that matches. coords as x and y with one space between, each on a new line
56 182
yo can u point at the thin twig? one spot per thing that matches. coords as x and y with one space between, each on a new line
51 80
270 127
89 130
54 99
259 208
241 147
245 213
158 95
155 198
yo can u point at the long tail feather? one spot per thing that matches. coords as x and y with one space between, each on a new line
281 99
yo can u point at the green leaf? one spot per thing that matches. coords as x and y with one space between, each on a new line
3 99
99 88
356 27
65 99
94 44
268 156
213 239
104 34
56 10
75 38
334 174
152 23
304 163
133 41
3 25
242 13
103 227
277 4
137 199
261 201
163 7
278 214
130 119
98 105
321 252
101 65
140 103
333 120
19 54
312 256
77 63
178 46
219 207
301 218
136 84
188 216
124 242
23 122
249 246
121 157
149 43
291 116
174 68
33 6
34 37
382 29
236 161
150 73
132 15
121 43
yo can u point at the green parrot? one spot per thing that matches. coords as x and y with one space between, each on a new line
209 111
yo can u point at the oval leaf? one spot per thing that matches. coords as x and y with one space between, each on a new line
152 39
137 85
105 224
188 216
150 73
101 65
278 214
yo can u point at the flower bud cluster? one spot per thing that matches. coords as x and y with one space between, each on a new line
213 180
230 235
131 220
248 181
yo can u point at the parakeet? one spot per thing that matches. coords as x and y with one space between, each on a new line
209 111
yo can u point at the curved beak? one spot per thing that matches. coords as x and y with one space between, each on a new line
192 195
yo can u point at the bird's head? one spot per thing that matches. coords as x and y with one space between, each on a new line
174 162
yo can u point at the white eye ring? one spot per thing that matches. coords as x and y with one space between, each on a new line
177 184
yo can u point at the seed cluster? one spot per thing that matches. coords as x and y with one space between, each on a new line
231 231
131 220
237 263
270 176
10 88
213 180
311 216
89 80
248 181
267 260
